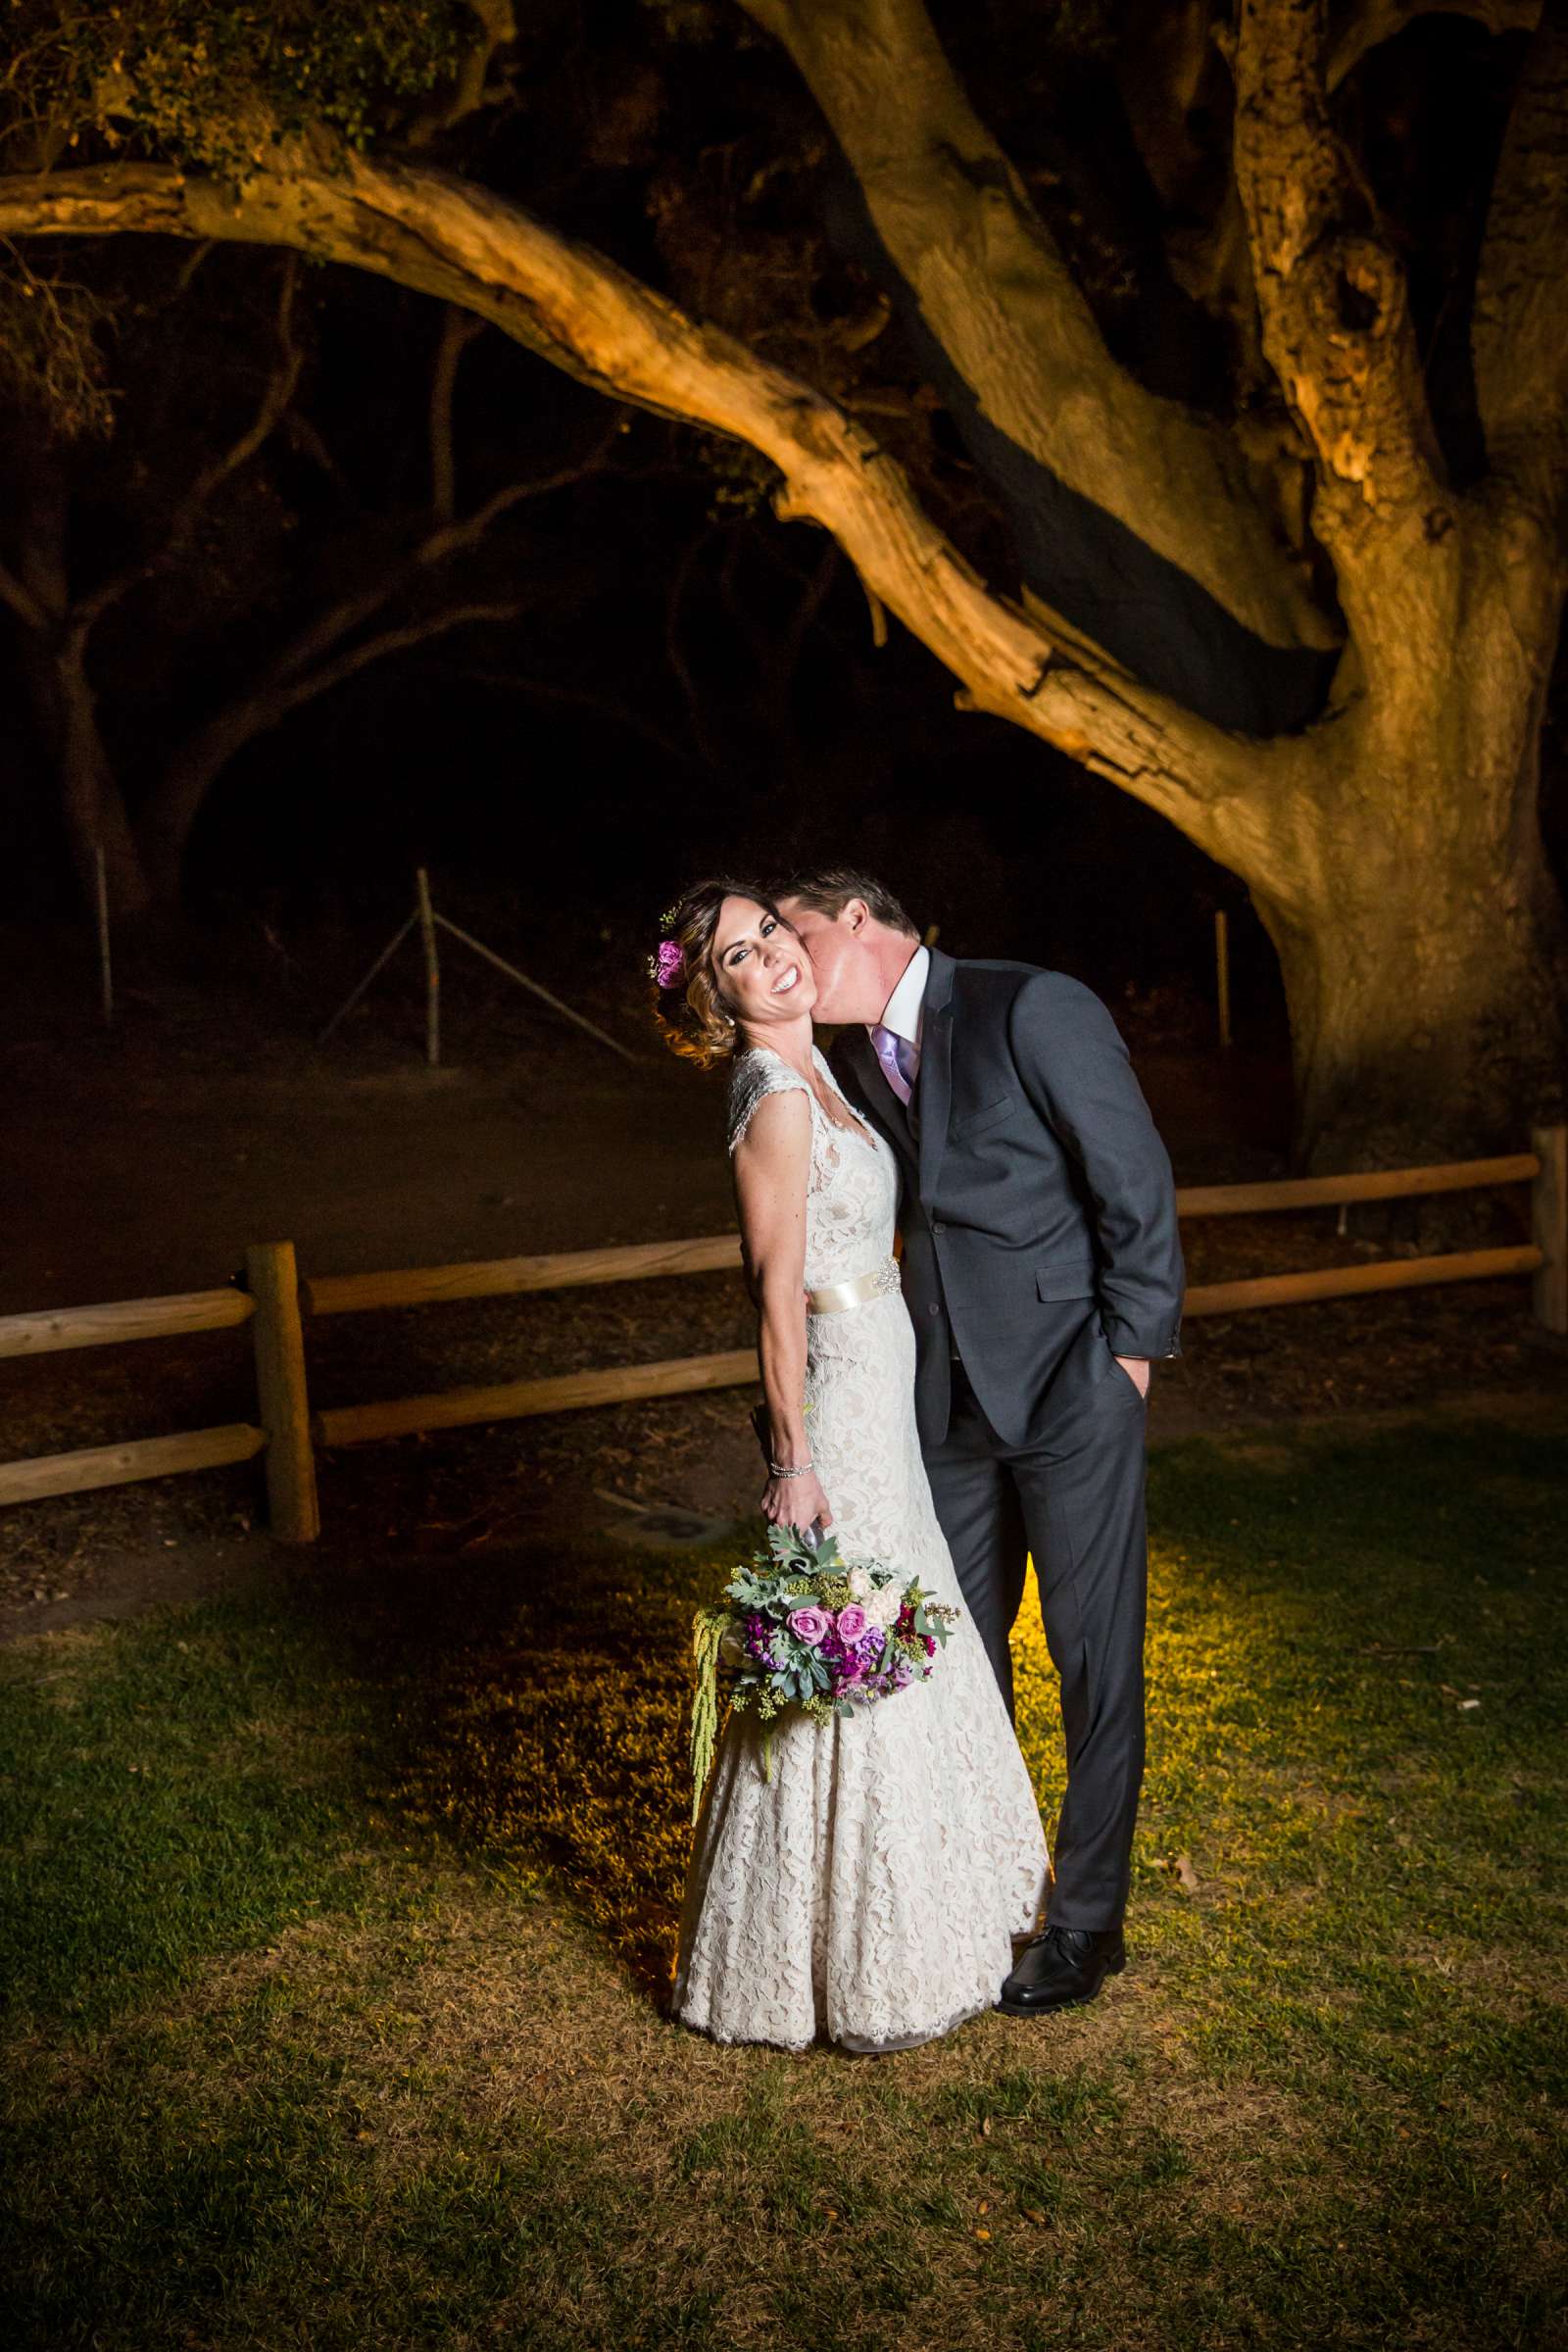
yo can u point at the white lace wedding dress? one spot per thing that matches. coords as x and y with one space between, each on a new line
869 1891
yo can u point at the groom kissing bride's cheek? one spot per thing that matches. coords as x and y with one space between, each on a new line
863 1872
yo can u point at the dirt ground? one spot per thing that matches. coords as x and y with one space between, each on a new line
146 1161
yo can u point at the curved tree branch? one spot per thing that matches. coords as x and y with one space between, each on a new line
603 707
997 296
176 798
458 330
271 409
1332 293
449 538
399 640
25 606
589 318
495 28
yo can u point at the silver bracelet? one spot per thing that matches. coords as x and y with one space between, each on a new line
800 1470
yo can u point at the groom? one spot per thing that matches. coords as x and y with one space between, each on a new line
1042 1270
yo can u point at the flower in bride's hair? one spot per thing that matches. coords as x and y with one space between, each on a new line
809 1625
669 963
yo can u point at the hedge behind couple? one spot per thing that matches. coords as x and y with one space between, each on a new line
986 1408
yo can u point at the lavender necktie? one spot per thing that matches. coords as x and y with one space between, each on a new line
900 1063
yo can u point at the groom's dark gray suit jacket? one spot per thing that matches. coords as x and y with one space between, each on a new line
1039 1213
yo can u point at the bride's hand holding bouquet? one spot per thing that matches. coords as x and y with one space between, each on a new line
794 1498
805 1630
793 1495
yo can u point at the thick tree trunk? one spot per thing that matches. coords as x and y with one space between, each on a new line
1422 937
91 805
1427 1001
53 659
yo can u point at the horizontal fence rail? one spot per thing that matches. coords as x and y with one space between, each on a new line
118 1465
508 1277
646 1261
1376 1183
122 1319
275 1302
520 1400
1348 1281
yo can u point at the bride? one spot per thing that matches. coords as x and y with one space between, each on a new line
869 1888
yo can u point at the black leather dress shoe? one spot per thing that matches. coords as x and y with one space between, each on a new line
1061 1967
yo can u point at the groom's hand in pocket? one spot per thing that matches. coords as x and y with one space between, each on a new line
1136 1368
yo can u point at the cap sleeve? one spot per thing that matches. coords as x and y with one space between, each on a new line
756 1075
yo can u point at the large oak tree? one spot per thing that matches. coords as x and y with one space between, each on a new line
1307 611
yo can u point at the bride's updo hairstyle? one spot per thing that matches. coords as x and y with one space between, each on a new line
689 1006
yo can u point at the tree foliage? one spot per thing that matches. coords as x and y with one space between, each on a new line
207 84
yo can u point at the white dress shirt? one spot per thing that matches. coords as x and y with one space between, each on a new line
902 1011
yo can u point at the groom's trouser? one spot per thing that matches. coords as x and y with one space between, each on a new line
1073 1498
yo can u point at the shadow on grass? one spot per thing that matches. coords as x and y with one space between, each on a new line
553 1732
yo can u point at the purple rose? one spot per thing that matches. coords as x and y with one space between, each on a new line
850 1623
810 1625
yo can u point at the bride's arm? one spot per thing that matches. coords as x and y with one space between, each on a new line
772 1163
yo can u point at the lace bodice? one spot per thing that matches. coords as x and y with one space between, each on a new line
853 1190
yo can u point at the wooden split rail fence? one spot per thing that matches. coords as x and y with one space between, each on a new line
271 1299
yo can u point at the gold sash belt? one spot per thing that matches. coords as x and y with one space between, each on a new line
837 1297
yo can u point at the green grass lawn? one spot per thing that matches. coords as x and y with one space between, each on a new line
334 1929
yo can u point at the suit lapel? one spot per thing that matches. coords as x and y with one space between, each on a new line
934 1087
876 1096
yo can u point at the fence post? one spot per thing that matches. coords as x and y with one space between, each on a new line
105 969
432 970
1548 1207
273 1280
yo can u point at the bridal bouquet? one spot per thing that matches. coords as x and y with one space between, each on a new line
803 1628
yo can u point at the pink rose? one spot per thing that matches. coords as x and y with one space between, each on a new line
810 1625
852 1622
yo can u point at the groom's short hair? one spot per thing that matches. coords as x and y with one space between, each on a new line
829 888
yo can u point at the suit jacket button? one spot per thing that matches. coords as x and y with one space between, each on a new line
933 1310
939 1229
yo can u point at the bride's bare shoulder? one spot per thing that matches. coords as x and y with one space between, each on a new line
761 1076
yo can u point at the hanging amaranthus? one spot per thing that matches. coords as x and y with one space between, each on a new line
707 1633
